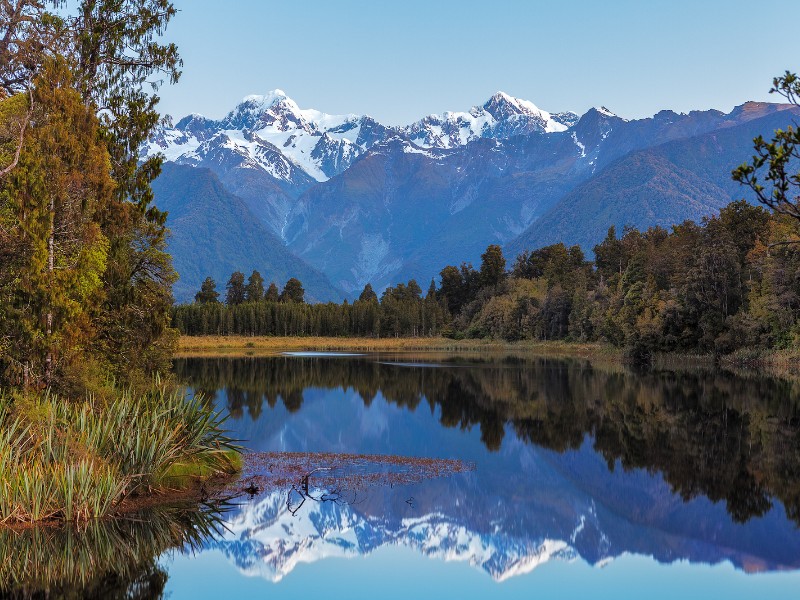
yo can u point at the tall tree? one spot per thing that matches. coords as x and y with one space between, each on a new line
368 294
235 289
208 292
493 266
51 198
293 291
254 290
272 294
452 288
114 52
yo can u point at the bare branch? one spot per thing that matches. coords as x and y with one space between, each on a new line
21 141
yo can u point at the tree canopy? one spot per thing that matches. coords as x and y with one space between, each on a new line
86 282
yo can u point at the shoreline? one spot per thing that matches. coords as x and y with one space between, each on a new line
210 346
777 363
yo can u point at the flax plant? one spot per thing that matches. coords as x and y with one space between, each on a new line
72 462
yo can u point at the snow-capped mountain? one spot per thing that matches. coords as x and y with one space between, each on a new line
501 117
268 541
364 202
276 135
323 145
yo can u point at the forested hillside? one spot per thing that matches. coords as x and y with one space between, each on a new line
660 186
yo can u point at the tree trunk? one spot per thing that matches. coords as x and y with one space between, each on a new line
48 370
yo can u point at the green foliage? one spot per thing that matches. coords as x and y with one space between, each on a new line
368 294
208 292
75 461
254 290
493 266
272 294
401 311
235 289
86 282
293 291
710 288
111 558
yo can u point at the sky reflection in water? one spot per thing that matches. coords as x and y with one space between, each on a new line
651 477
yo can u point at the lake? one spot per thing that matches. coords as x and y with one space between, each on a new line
578 481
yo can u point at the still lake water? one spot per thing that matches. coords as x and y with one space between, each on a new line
587 482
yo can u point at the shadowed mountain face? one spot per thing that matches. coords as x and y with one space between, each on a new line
215 234
571 461
363 202
664 185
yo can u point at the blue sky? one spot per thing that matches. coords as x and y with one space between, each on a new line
399 61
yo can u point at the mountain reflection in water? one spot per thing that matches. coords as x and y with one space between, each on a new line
572 461
567 463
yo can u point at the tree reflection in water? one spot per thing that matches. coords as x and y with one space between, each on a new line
730 437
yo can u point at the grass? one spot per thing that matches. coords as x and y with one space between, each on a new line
779 362
238 345
73 461
183 474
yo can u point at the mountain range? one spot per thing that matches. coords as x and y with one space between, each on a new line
341 201
558 510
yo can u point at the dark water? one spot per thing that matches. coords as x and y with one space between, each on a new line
587 483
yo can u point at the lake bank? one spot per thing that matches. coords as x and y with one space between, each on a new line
64 460
779 363
264 345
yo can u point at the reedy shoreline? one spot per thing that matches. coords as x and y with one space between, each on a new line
72 461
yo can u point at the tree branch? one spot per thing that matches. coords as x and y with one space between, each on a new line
23 127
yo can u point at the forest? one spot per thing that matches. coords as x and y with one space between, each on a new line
725 284
88 413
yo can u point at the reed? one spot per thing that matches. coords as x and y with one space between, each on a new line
74 461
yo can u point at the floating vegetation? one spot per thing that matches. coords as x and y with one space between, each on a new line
268 471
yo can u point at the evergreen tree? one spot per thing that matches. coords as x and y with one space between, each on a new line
208 292
413 290
50 200
493 266
431 295
235 290
272 294
254 290
293 291
368 295
452 288
608 255
109 54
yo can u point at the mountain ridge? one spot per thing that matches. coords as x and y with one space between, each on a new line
364 202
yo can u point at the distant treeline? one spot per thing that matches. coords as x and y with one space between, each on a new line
729 283
249 310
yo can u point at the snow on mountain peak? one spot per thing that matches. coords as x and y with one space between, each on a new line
267 540
268 98
604 111
502 116
507 103
323 145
